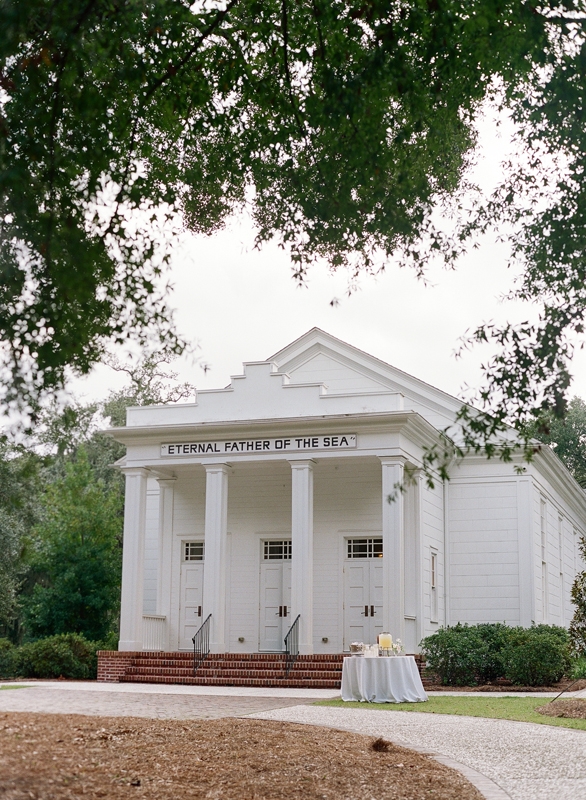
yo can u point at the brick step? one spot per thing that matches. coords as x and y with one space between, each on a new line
302 674
156 664
165 657
288 683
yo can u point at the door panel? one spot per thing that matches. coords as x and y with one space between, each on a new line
275 604
356 628
191 598
271 599
363 595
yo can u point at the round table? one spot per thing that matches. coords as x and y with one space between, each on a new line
391 679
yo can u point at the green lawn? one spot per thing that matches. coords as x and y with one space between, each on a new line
14 686
521 709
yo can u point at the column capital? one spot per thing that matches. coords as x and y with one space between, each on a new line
222 466
392 461
301 463
136 472
163 481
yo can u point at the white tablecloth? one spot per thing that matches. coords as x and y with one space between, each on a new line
393 679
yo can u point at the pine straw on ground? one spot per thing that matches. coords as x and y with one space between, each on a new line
572 708
56 757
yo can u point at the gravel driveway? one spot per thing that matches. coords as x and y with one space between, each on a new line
528 761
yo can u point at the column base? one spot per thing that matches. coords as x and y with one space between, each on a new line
218 647
305 650
129 645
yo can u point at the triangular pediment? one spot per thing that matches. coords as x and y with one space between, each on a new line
318 356
340 375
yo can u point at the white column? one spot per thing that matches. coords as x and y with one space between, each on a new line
302 551
131 603
165 565
216 536
393 548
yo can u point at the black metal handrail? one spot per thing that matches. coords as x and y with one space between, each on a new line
292 645
201 644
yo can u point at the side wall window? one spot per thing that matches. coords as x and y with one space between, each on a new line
433 585
544 586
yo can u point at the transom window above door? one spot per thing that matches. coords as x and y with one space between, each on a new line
365 548
193 551
277 550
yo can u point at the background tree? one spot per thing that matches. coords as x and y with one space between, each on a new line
60 509
19 508
75 555
566 437
345 125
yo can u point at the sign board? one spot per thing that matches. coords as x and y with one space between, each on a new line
290 444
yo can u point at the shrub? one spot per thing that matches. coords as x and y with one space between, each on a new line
66 655
7 654
495 635
456 654
535 657
578 669
561 634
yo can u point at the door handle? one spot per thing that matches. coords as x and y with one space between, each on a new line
279 613
365 612
284 611
372 611
199 611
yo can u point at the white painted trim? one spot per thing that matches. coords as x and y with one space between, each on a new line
525 539
216 540
302 572
393 517
447 555
131 604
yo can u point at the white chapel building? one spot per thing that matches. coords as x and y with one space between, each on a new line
269 499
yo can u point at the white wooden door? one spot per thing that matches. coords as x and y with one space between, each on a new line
191 598
363 593
356 601
275 604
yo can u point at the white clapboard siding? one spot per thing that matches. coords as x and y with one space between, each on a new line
484 553
338 377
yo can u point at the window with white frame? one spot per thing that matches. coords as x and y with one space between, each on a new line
193 551
433 585
365 548
277 550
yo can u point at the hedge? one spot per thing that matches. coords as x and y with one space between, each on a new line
465 655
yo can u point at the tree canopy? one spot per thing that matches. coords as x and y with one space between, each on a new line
344 125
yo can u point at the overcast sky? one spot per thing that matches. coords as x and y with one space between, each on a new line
240 304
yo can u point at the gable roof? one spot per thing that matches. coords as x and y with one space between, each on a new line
316 348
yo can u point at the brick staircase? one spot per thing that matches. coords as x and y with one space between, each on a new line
227 669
